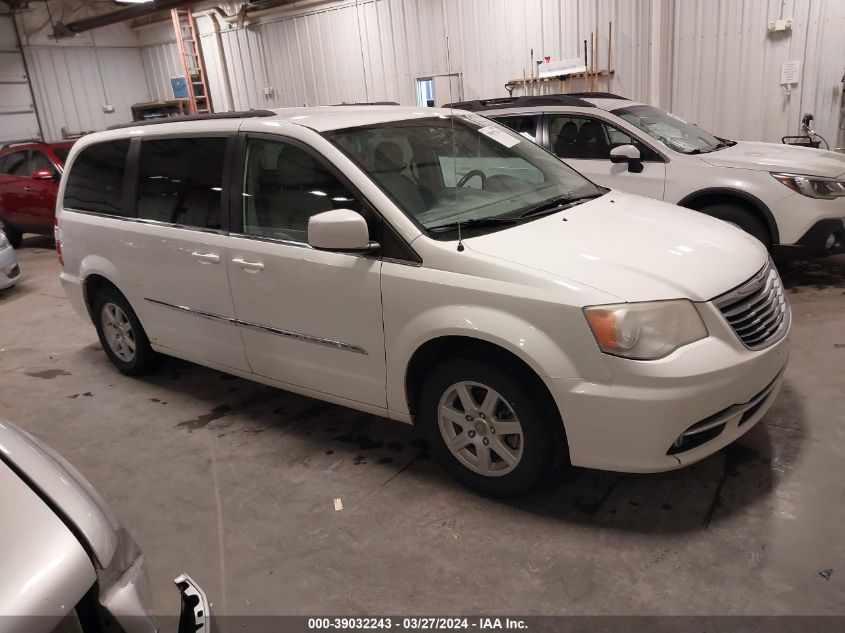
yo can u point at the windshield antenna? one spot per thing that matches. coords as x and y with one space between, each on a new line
454 150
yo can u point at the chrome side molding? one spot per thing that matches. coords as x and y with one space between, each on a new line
307 338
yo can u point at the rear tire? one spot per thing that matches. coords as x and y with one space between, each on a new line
121 334
15 236
742 218
491 430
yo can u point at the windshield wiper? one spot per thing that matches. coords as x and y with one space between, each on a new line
558 204
724 142
475 222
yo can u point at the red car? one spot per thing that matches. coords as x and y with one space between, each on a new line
29 182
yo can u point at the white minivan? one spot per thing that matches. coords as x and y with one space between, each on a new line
430 267
790 198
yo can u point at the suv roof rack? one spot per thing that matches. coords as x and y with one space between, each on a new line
244 114
597 95
521 102
14 143
366 103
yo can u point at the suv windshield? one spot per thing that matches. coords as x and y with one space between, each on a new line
441 170
674 133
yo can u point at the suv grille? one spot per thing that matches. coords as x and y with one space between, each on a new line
757 311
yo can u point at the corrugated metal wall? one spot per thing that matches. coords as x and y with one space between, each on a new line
374 50
726 66
718 65
72 83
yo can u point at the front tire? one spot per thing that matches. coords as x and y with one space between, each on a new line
121 335
492 431
741 218
15 236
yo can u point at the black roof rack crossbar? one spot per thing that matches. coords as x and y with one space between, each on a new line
521 102
597 95
244 114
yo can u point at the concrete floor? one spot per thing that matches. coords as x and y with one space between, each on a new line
234 482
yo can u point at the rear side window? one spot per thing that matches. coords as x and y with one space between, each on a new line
14 164
95 182
180 181
524 124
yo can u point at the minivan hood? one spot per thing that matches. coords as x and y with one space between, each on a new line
634 248
778 158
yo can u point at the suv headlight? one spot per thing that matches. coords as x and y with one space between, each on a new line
813 186
645 331
4 241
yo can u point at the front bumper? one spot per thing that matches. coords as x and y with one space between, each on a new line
634 423
10 272
814 243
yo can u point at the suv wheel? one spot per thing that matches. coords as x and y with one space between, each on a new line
121 335
488 429
741 218
15 236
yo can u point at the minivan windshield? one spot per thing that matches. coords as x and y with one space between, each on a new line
444 170
674 133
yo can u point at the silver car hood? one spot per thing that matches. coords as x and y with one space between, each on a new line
45 571
64 488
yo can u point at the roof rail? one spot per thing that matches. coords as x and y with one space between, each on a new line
521 102
245 114
13 143
597 95
367 103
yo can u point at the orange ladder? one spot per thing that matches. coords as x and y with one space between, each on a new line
190 52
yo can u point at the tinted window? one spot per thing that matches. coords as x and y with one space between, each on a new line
95 182
14 164
180 181
523 124
587 138
284 186
61 153
40 160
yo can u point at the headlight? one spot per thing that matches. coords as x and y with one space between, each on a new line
813 186
4 241
645 331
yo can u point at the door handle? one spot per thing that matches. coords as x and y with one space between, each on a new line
206 258
250 266
28 188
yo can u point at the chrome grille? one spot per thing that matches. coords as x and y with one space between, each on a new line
757 311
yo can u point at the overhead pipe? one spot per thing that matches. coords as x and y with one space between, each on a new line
61 30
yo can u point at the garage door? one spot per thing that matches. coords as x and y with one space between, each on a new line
18 121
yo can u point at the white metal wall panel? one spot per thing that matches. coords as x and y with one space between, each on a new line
70 90
716 64
726 66
374 50
18 120
161 62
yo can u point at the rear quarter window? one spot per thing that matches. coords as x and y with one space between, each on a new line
95 182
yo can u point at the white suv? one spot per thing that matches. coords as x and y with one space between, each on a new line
790 198
428 267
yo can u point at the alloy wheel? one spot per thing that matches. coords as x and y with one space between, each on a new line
118 332
480 428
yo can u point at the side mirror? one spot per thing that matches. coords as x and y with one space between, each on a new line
627 154
43 174
340 230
